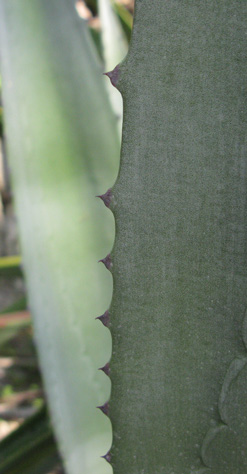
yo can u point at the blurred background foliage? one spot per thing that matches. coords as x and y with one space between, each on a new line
28 443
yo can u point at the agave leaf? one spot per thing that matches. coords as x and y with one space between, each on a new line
115 48
178 314
63 148
95 34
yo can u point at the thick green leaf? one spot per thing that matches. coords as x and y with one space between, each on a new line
95 34
179 363
63 149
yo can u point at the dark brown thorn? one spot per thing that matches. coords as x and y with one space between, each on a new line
107 457
107 261
104 318
106 198
106 369
104 408
113 75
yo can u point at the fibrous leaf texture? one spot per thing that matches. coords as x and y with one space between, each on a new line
178 367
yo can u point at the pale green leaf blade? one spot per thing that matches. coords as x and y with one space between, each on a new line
63 148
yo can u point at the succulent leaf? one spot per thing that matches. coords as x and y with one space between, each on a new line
179 256
63 147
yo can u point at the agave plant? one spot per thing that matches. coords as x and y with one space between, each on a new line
177 315
64 151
